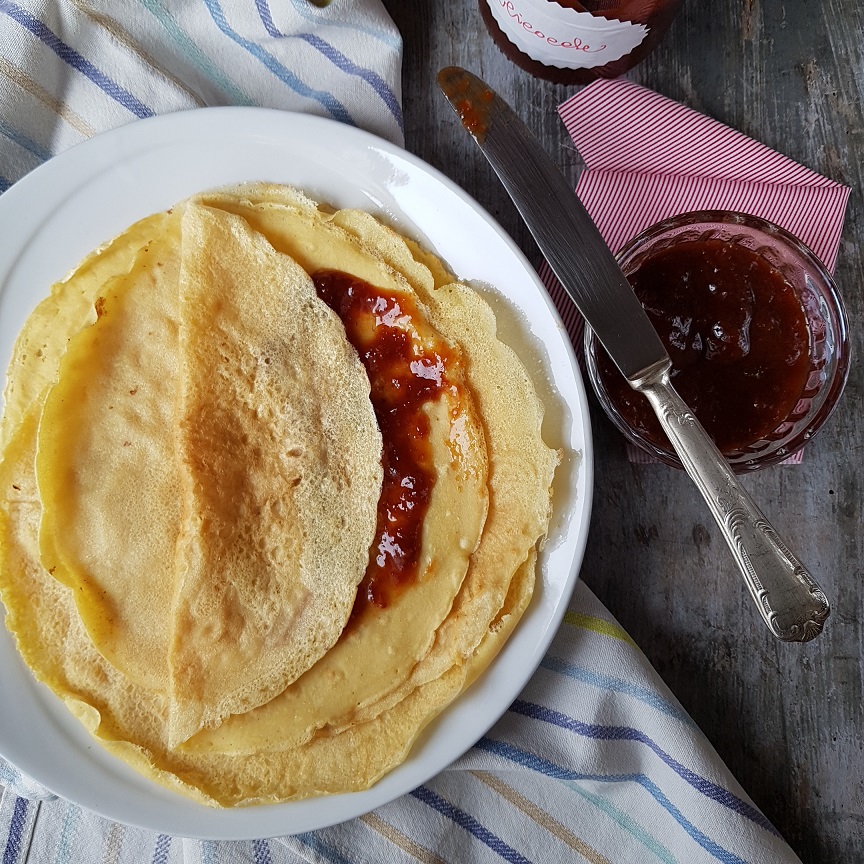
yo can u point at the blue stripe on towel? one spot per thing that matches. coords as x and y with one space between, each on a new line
373 79
339 60
469 823
67 835
14 846
314 842
23 141
323 18
267 19
195 55
616 685
626 822
627 733
161 850
208 852
550 769
261 852
333 106
70 56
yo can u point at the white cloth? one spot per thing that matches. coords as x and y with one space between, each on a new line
72 69
596 761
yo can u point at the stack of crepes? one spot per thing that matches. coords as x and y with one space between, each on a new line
203 511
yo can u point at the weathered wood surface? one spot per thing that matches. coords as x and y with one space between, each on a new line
787 719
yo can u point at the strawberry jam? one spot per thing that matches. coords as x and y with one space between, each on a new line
737 336
405 373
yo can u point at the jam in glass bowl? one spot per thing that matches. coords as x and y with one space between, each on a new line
755 328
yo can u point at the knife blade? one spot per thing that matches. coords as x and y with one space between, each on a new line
565 233
789 600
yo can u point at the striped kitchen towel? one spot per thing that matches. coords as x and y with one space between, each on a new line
596 761
648 158
72 69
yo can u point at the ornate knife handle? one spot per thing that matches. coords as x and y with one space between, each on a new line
790 601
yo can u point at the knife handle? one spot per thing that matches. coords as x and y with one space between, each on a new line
790 601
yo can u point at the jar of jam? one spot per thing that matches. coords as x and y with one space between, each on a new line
573 42
755 329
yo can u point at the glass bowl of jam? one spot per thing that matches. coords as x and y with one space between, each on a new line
755 328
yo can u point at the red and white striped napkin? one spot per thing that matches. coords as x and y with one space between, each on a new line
648 158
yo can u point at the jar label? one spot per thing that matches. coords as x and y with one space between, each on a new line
564 38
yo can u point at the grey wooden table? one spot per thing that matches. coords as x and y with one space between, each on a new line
787 719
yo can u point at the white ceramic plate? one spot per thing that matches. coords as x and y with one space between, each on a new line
70 205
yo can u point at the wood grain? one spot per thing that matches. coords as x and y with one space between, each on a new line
787 719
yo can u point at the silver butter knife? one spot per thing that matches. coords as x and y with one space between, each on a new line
790 601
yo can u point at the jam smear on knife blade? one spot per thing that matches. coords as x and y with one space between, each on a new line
470 97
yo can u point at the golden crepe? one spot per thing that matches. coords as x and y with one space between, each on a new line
323 716
70 306
282 459
106 466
